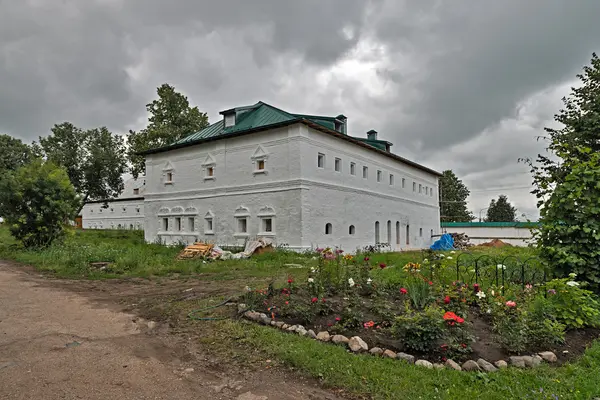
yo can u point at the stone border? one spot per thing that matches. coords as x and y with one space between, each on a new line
357 345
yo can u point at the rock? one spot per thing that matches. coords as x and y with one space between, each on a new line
453 365
311 334
548 356
301 331
406 357
241 307
517 361
438 366
292 328
486 365
376 351
273 323
424 363
188 370
501 364
357 345
250 396
279 324
252 315
285 327
389 354
470 365
337 339
151 325
323 336
535 361
265 319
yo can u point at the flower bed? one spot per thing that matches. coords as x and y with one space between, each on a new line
404 310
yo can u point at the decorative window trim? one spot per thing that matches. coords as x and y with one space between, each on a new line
168 169
266 211
262 231
190 211
241 211
260 154
163 211
209 163
178 210
209 216
237 233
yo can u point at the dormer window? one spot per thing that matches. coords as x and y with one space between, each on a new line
136 191
229 119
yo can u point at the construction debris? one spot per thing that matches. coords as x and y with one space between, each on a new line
461 241
196 250
211 252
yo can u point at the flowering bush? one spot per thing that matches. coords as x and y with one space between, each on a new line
420 330
571 304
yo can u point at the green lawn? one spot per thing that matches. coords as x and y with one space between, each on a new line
334 366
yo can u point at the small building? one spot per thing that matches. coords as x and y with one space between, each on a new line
123 212
514 233
300 180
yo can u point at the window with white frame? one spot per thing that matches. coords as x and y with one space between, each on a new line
177 224
267 221
414 186
209 223
420 188
165 224
191 224
242 224
259 158
242 214
168 173
209 166
427 190
337 164
352 168
391 179
379 175
321 160
365 172
136 191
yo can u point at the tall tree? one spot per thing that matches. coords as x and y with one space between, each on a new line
14 153
501 210
453 199
94 159
566 181
171 119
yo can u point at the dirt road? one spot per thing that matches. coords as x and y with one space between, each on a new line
71 340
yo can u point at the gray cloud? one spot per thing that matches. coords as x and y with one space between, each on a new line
456 85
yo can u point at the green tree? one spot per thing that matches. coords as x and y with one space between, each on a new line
94 159
36 202
566 181
171 119
14 153
501 210
453 199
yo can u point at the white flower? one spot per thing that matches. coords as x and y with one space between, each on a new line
481 295
492 292
313 270
425 261
369 281
442 256
248 289
449 258
573 283
351 282
500 266
452 252
572 275
489 311
310 280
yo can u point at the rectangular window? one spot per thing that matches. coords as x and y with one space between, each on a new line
431 192
242 225
124 209
414 187
169 177
191 227
260 165
321 160
403 183
391 179
165 222
178 224
209 226
136 191
365 172
338 165
137 210
210 172
352 168
379 174
267 225
421 232
420 188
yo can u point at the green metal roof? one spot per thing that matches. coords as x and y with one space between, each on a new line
489 224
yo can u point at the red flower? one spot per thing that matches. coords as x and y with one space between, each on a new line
382 265
430 283
447 299
369 324
451 318
464 346
314 300
366 258
476 287
444 359
290 281
338 319
330 324
403 291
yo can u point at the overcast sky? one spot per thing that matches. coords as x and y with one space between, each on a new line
461 85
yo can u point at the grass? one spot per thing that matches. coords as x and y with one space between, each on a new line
362 375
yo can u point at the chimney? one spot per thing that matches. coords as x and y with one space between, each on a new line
372 134
343 124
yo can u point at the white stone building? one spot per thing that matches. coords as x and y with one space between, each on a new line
124 212
298 179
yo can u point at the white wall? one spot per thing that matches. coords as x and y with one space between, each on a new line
302 196
129 214
517 236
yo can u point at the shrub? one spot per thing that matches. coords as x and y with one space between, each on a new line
572 305
420 330
37 201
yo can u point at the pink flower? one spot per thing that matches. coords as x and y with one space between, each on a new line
314 300
447 300
511 304
382 265
430 283
338 319
366 258
318 250
476 287
329 256
339 251
287 302
403 291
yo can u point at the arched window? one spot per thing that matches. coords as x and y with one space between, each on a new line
376 232
351 230
389 232
397 232
328 229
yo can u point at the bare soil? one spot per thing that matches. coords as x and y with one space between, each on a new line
80 339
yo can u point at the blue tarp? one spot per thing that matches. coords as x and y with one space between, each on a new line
445 242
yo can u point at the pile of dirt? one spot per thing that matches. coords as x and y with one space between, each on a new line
495 243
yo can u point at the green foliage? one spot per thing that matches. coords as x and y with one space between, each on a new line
94 159
36 202
501 210
14 153
420 330
572 305
419 291
566 183
171 119
453 199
